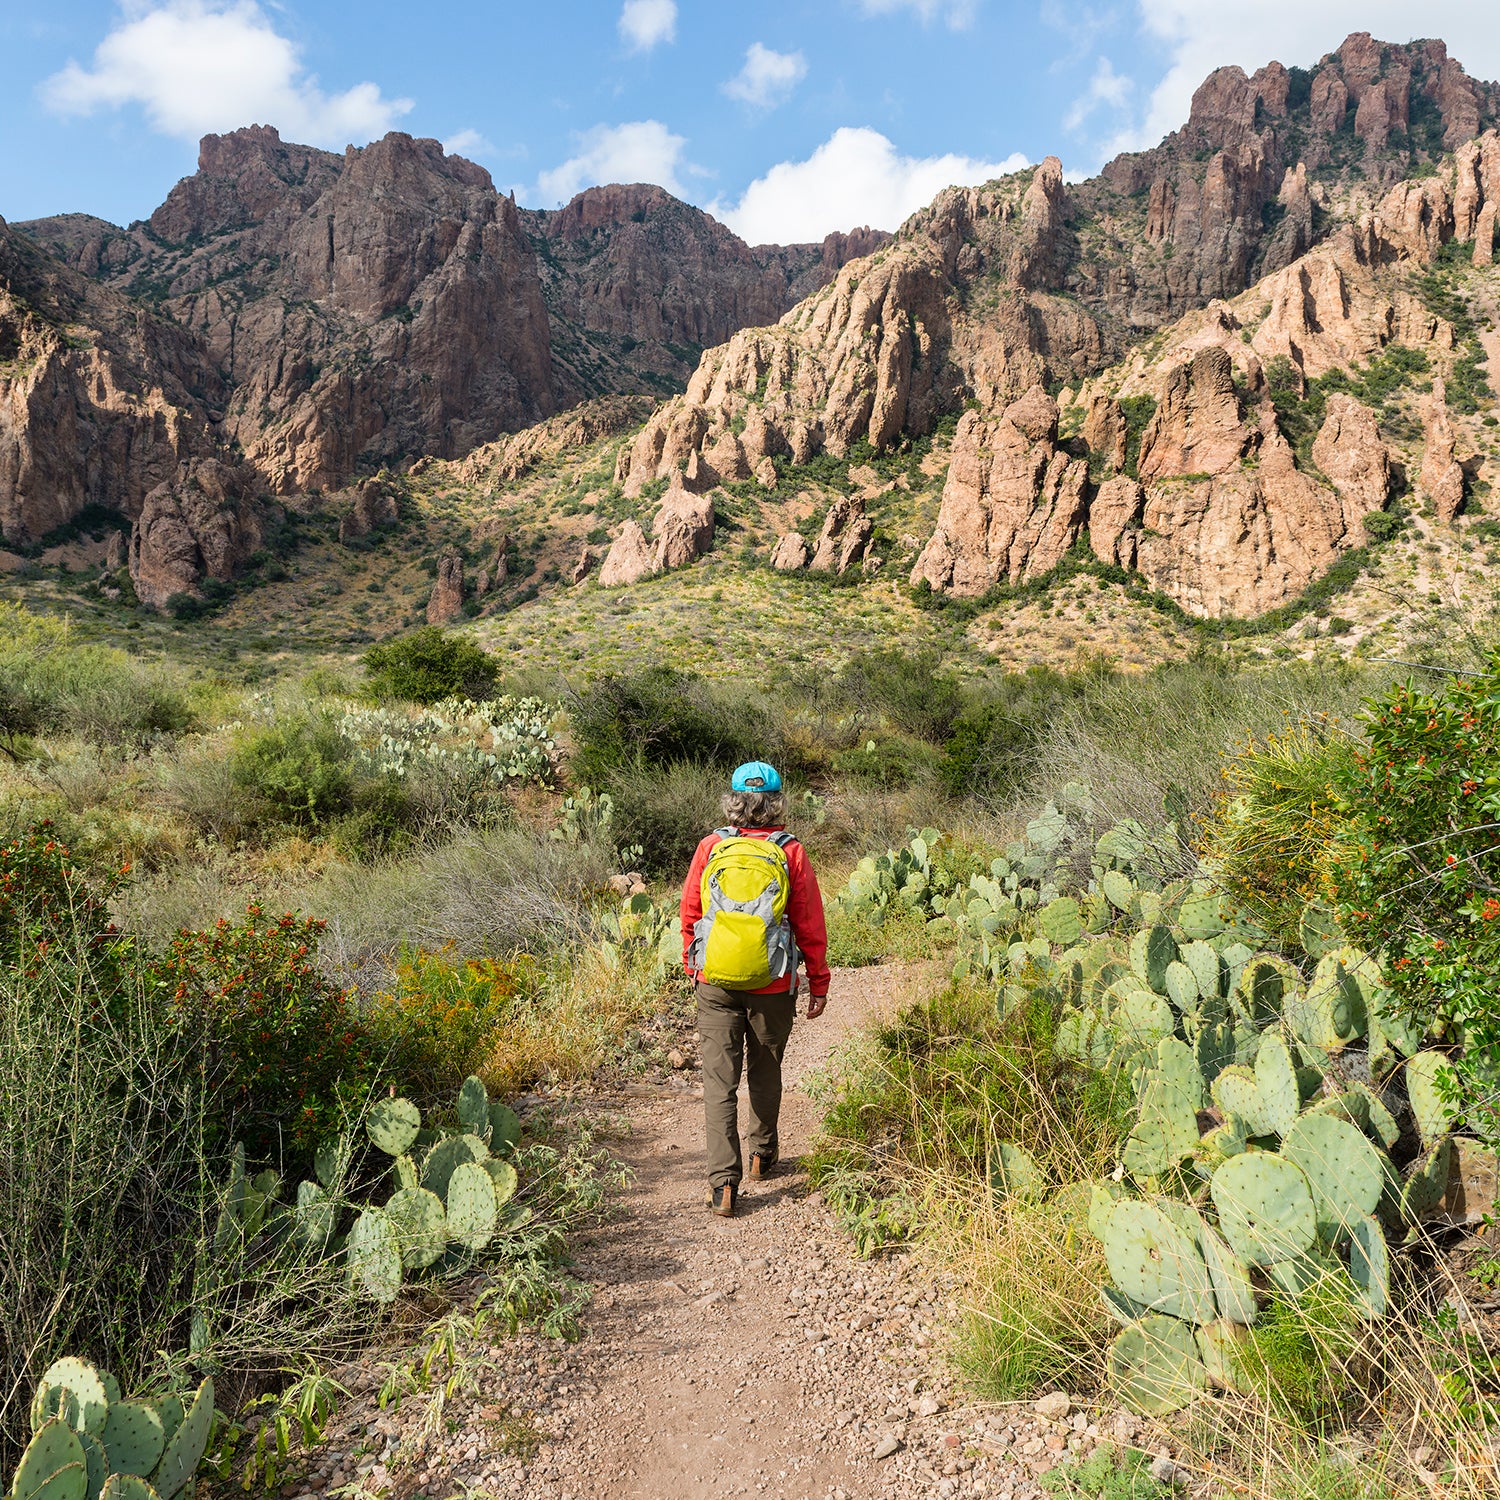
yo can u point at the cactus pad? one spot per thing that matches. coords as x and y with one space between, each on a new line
54 1465
1103 1195
1264 985
1268 1099
1319 930
392 1125
1220 1347
95 1465
1014 1172
1119 889
1265 1207
1233 1293
1060 921
127 1487
474 1107
471 1206
1155 1262
421 1226
1369 1265
375 1256
1165 1131
1151 950
186 1447
446 1157
505 1129
313 1219
1342 1168
134 1437
73 1390
1202 916
1434 1114
1427 1183
1121 1308
1182 986
1154 1366
331 1160
1144 1018
171 1410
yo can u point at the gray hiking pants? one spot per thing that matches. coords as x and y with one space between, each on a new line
736 1025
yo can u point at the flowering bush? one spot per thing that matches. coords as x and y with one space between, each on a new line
441 1009
1417 872
282 1047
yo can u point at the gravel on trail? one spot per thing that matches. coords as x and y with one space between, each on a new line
751 1356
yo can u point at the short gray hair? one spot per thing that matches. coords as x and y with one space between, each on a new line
754 809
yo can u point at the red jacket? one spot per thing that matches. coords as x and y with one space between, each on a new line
804 907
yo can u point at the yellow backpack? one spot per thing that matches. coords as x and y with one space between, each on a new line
743 940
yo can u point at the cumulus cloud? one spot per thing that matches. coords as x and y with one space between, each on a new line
957 13
1200 38
196 66
768 77
645 24
468 143
642 151
855 177
1106 87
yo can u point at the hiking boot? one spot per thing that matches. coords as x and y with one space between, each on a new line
761 1165
720 1200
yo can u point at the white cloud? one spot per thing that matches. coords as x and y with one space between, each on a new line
645 24
1200 38
1105 87
468 143
197 66
767 77
642 151
957 13
855 177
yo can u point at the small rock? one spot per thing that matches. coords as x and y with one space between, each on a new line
1054 1406
1032 1446
929 1406
952 1440
676 1059
1422 1456
888 1445
1164 1471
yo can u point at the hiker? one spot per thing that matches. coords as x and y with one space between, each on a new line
751 910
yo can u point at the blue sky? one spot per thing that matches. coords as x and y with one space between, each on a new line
786 118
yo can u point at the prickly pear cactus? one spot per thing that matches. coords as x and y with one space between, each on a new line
393 1125
446 1157
503 1178
73 1390
374 1256
471 1206
1014 1172
1234 1294
1319 930
1426 1183
420 1224
1154 1366
1155 1262
1369 1265
1265 1207
1342 1168
1426 1076
1221 1347
1060 921
54 1465
127 1487
133 1437
331 1161
505 1129
186 1447
474 1107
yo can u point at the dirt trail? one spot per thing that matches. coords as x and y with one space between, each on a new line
753 1356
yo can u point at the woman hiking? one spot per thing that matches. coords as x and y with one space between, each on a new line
751 911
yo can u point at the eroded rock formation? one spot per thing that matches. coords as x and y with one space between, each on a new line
374 506
1442 480
447 600
202 524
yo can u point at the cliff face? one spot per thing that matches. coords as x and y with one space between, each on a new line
362 308
100 399
638 284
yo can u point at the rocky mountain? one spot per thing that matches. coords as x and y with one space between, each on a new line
637 284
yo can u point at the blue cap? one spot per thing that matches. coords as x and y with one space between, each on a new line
756 776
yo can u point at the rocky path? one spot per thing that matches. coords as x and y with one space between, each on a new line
753 1356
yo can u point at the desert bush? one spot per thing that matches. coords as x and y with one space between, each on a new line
436 1023
887 762
660 717
1417 870
856 938
911 691
282 1049
666 812
298 767
429 665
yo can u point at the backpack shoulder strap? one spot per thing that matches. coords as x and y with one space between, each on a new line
726 833
781 839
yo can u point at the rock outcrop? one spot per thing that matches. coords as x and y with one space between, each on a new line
791 553
1442 478
374 506
1351 452
630 558
447 600
845 538
203 524
511 458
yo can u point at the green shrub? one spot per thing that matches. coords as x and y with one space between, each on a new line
665 813
299 768
856 938
910 691
283 1049
890 763
429 665
1295 1358
1417 873
662 716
